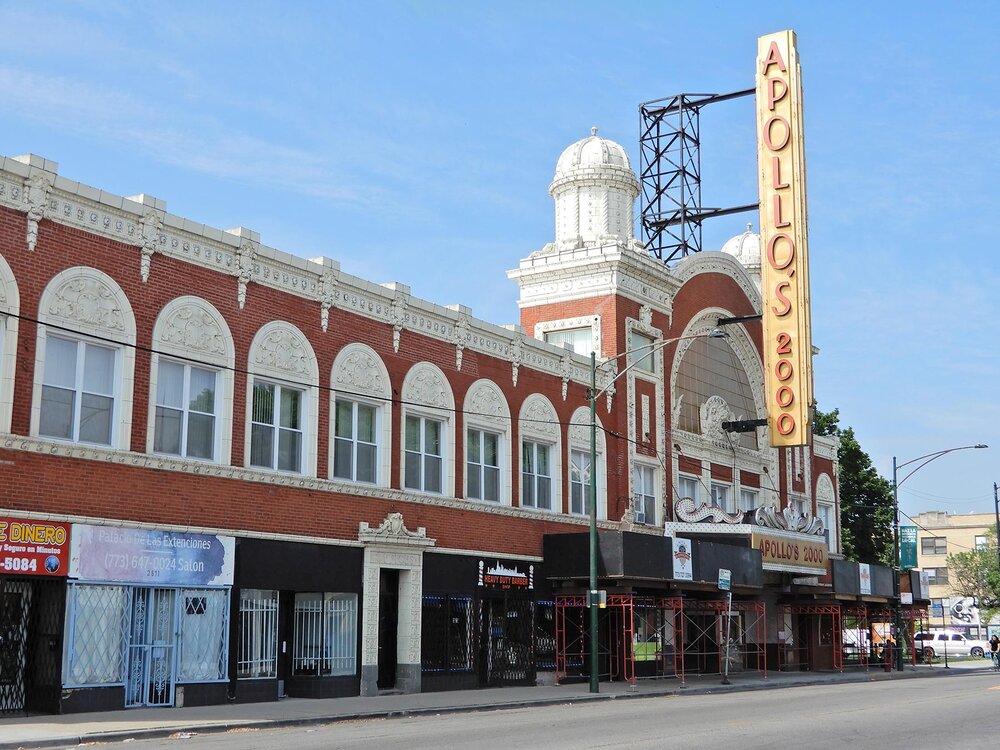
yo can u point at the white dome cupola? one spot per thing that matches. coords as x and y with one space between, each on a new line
746 249
594 189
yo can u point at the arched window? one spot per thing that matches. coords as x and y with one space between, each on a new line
541 454
191 382
826 511
580 465
713 387
361 422
282 400
9 309
428 431
487 443
84 361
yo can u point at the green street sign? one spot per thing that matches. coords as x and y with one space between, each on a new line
907 547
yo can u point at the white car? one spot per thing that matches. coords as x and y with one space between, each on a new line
935 642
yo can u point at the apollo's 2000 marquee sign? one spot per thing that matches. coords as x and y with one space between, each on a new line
784 240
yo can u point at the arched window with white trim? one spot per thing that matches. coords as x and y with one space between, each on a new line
360 399
427 461
282 401
191 382
9 309
487 444
84 361
541 454
580 465
826 511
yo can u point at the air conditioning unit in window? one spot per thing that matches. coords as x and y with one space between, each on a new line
637 509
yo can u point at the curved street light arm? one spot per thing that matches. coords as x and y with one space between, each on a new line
930 457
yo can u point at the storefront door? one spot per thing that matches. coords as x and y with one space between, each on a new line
15 598
507 652
151 647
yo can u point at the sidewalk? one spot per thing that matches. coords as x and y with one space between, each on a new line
114 726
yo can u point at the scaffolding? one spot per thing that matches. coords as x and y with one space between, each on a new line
639 630
707 646
815 634
865 632
914 621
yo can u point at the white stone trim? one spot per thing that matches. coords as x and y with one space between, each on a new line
91 306
485 408
593 322
10 307
192 328
281 353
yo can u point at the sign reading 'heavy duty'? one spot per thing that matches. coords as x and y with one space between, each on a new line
784 240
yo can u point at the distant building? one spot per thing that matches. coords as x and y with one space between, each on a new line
230 473
940 534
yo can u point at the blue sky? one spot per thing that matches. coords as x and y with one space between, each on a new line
415 141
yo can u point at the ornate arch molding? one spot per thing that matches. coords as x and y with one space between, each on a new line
192 328
427 392
87 301
280 351
722 263
485 407
359 374
359 370
538 421
10 307
827 494
739 342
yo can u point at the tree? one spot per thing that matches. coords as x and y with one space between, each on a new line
975 573
866 507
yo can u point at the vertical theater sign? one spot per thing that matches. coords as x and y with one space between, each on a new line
784 240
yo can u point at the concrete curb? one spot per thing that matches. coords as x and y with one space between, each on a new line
153 733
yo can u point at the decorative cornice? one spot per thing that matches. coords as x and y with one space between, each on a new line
240 254
393 531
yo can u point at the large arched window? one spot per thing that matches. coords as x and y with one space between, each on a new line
84 361
191 382
713 387
361 422
541 454
580 465
487 444
428 431
9 308
282 401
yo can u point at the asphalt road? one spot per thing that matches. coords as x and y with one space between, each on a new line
956 712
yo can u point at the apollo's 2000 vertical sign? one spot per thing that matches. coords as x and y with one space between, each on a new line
784 240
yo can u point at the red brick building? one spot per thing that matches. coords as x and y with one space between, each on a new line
277 478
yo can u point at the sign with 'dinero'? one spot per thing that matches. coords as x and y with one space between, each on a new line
151 556
33 548
793 554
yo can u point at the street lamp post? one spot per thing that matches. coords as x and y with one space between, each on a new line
996 509
926 459
594 395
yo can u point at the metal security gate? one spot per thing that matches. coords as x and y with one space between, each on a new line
31 613
151 646
507 641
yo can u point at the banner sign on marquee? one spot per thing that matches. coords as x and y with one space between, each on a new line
33 548
907 547
114 553
784 241
683 556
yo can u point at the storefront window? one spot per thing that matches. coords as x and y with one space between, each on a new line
202 643
258 655
98 617
325 634
447 634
